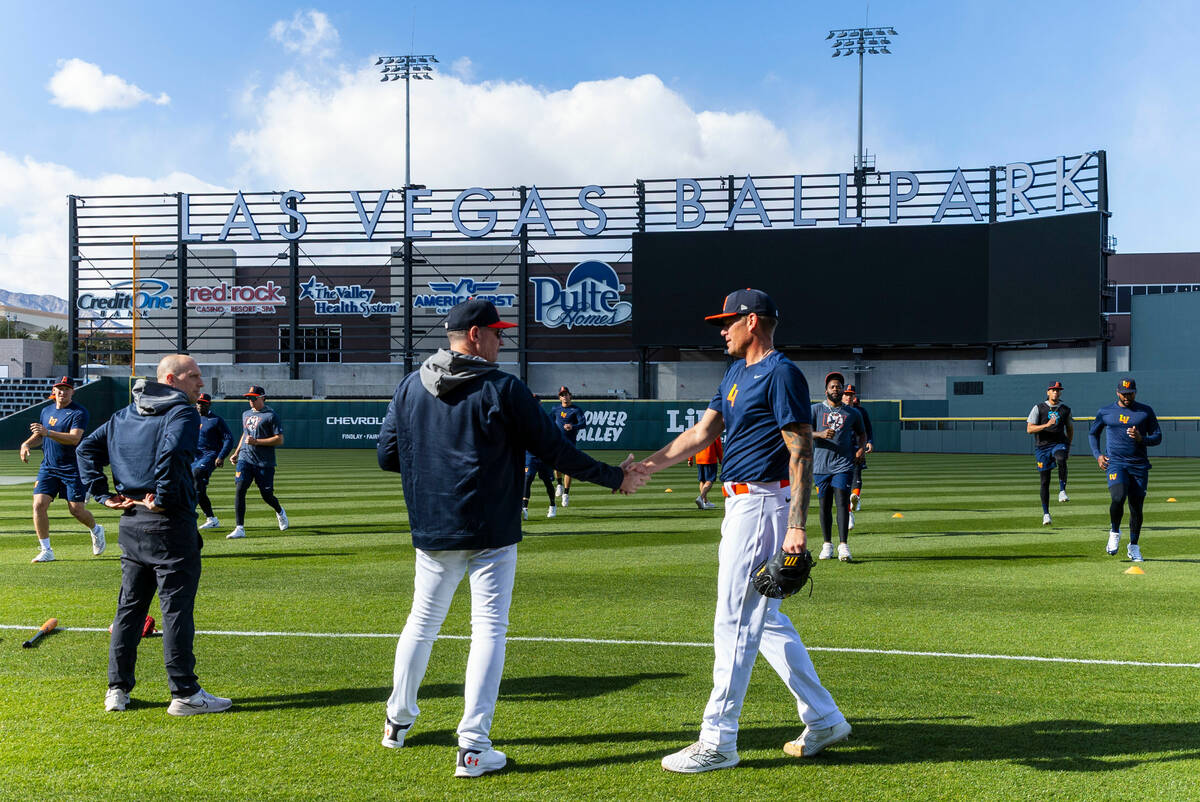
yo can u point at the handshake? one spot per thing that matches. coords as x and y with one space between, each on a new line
636 475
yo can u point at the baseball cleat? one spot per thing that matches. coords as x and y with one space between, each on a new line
43 556
826 551
1046 519
116 700
857 503
281 518
699 503
566 500
1114 541
697 758
393 734
557 491
477 762
850 525
1062 496
198 703
844 553
552 512
211 522
98 543
1134 552
238 532
811 741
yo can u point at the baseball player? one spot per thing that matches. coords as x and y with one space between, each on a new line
254 457
570 420
1050 424
216 441
59 431
850 398
1130 428
535 469
762 406
707 464
837 428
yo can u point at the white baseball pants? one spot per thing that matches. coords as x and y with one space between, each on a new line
438 574
746 621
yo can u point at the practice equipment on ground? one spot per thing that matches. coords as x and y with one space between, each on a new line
783 574
44 629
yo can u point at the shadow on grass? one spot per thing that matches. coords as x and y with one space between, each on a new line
547 688
943 557
274 555
955 534
1170 560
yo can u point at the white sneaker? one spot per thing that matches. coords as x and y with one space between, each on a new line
393 734
1114 540
476 762
199 702
238 531
524 513
1062 496
552 512
708 505
826 551
699 503
44 556
212 522
116 700
566 500
98 543
812 741
851 525
844 552
557 491
1134 552
857 502
1046 519
697 758
281 517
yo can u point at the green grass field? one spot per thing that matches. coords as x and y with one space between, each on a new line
968 570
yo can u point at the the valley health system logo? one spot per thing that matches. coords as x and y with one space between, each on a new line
591 297
447 294
345 299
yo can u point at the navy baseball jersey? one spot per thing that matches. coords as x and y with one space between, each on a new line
756 401
1120 448
260 425
572 415
1043 413
215 438
836 455
56 456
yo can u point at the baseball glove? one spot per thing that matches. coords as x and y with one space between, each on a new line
783 574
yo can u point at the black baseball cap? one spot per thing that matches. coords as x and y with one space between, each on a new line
743 302
1055 386
563 391
475 312
65 381
204 398
834 374
254 392
1127 385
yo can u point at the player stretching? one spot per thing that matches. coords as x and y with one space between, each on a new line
1050 423
570 420
850 399
836 429
216 441
1131 427
254 457
59 431
763 407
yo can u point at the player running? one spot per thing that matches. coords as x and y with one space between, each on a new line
570 420
837 428
1130 428
707 462
534 469
216 441
254 457
762 405
850 398
59 431
1050 423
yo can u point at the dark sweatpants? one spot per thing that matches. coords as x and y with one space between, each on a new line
162 554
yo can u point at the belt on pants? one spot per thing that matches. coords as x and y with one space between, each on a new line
741 488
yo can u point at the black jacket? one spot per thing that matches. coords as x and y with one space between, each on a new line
149 445
458 436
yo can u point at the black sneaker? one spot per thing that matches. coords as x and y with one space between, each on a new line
393 734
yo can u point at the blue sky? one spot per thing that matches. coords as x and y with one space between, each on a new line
205 96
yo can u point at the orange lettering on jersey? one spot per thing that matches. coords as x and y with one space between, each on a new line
732 397
1112 477
1124 418
53 421
1039 465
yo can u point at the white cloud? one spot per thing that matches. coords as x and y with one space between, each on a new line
349 132
81 85
309 33
463 68
33 256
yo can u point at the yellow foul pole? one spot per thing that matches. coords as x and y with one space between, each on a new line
133 344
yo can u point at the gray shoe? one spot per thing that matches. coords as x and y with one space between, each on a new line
98 543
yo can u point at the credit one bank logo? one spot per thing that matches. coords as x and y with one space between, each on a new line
120 301
591 296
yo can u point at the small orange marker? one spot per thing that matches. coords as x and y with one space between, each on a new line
898 515
668 490
1134 569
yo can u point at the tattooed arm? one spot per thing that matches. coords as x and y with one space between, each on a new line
799 440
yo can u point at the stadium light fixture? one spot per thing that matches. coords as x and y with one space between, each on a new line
861 42
410 68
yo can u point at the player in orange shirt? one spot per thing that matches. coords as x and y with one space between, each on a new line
706 467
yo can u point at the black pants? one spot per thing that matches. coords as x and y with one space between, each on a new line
201 477
533 472
162 554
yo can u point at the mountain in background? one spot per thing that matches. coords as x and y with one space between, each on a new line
42 303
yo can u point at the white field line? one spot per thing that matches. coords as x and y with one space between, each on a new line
612 642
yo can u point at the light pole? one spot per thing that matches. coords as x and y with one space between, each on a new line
860 42
409 68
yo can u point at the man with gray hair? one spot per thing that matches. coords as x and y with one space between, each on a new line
150 445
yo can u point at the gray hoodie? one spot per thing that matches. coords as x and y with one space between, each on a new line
446 370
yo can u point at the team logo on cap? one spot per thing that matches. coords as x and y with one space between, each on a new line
591 296
1125 382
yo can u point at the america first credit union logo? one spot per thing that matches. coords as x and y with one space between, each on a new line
448 294
591 296
345 299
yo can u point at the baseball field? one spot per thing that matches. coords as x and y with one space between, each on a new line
977 654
